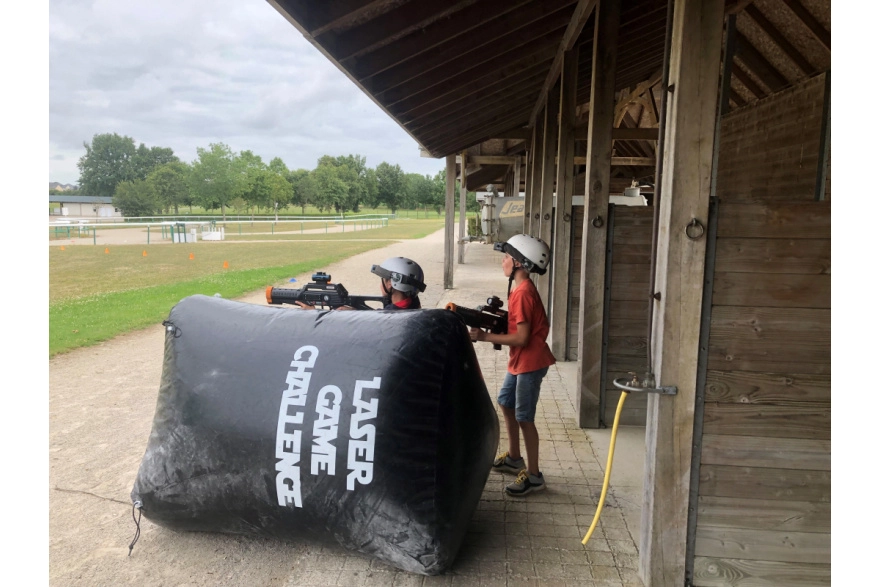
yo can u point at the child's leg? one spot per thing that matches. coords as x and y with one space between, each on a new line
512 432
507 403
528 389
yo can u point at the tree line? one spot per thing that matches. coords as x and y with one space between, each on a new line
145 181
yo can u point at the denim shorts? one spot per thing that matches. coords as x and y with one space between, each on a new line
520 393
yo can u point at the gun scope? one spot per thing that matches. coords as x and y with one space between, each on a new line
321 277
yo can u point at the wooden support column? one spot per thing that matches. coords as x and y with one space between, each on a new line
527 189
561 246
448 235
598 174
544 229
694 70
517 165
534 202
462 202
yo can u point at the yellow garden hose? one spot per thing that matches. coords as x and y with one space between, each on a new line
623 395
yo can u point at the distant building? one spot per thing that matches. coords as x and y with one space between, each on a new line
83 206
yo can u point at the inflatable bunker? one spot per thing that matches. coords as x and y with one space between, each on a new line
373 429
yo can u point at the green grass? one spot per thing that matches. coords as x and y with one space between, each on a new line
94 296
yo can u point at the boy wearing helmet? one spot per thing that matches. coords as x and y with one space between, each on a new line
530 359
402 281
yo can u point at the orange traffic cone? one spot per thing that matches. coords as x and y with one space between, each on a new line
226 264
62 247
106 251
145 253
191 256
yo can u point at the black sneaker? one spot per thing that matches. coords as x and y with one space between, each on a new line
505 464
525 483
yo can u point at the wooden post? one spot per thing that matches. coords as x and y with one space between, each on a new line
544 211
448 235
561 247
694 70
533 203
592 286
516 169
462 202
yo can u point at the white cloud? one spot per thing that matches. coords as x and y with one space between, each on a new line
186 74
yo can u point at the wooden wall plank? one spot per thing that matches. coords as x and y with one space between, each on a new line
764 483
745 255
757 451
720 572
768 388
764 514
812 422
770 339
779 290
794 547
775 220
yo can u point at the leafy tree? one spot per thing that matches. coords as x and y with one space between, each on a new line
107 162
215 181
331 184
278 186
170 183
146 160
391 184
136 198
304 190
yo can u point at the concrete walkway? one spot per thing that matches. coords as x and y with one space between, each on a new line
101 405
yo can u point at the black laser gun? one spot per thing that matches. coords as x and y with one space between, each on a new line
320 292
490 317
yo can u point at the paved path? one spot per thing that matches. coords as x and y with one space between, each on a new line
101 404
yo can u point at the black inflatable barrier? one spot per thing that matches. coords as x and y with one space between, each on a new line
372 428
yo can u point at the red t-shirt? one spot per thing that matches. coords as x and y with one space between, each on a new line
524 305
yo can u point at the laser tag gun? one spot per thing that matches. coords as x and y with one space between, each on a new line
490 317
320 293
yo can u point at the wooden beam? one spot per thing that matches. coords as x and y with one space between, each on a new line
777 37
447 60
561 247
491 160
735 6
462 201
454 26
595 235
349 19
517 168
548 179
746 80
815 28
621 134
533 204
694 71
637 93
623 161
759 65
581 13
448 235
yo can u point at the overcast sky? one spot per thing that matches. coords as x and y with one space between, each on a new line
187 73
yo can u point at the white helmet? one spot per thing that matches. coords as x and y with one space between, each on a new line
532 252
405 274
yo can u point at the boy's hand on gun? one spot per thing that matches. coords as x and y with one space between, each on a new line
477 335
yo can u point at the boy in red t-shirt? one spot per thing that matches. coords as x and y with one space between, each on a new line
530 359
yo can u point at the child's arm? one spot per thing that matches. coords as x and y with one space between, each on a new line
518 338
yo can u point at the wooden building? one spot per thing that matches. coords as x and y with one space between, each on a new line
719 111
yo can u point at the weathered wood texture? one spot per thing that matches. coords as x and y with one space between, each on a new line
769 150
722 572
764 514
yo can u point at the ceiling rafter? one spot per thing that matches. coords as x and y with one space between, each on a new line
357 16
582 12
498 69
452 59
779 39
759 65
454 28
436 108
386 28
746 80
815 27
